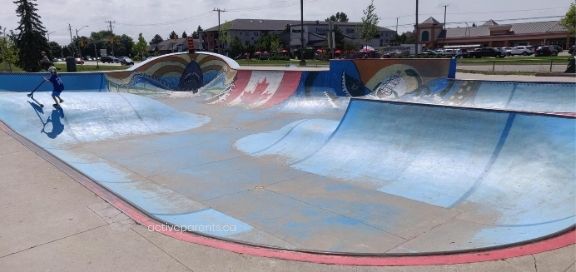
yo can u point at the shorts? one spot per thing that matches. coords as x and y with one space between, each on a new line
56 92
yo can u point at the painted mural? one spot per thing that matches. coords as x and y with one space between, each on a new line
182 72
259 89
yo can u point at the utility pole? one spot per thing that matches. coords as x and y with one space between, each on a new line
72 40
396 26
302 61
219 27
111 27
417 34
444 25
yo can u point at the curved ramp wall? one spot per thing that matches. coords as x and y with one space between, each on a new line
178 72
509 177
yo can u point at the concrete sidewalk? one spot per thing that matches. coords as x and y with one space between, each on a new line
52 223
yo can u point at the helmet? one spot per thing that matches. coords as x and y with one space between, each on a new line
52 69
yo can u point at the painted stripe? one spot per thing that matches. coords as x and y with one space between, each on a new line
287 88
240 83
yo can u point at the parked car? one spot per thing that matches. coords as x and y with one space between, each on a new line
79 61
108 59
485 52
558 48
507 50
126 61
546 50
524 50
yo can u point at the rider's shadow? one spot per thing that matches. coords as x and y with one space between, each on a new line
55 119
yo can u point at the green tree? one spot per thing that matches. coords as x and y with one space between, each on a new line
569 20
196 34
184 35
173 35
140 47
55 49
369 23
8 51
224 37
125 44
31 37
275 44
236 47
339 17
156 40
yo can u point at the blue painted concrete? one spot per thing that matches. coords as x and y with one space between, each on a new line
25 82
386 177
294 141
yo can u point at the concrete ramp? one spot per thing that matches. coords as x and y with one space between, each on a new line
90 117
509 177
547 97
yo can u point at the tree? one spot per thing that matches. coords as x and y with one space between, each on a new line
224 37
31 37
196 34
173 35
184 35
569 20
55 49
339 17
124 47
275 44
369 23
156 40
236 47
140 47
8 51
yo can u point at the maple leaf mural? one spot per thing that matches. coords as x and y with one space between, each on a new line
257 94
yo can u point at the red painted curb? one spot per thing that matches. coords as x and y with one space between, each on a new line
556 242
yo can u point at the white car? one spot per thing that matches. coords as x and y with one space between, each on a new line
523 50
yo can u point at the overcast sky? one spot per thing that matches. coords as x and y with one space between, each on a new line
152 17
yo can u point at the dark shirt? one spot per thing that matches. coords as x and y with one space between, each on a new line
56 82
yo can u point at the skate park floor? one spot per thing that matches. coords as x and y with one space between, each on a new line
224 130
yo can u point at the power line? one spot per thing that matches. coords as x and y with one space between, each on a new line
168 22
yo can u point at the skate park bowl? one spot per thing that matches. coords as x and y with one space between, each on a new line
371 157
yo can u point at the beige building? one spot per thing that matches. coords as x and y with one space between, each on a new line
491 33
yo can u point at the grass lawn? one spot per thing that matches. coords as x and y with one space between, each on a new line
4 67
88 68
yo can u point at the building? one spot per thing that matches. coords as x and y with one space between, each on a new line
491 33
248 31
316 35
173 46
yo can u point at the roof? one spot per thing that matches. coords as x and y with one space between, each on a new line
256 24
274 25
490 23
430 21
517 28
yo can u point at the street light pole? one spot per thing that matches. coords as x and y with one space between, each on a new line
78 38
417 34
302 61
